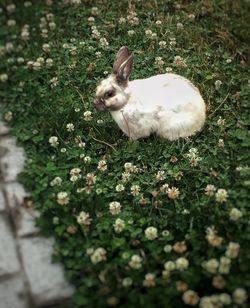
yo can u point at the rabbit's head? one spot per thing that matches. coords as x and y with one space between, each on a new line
112 93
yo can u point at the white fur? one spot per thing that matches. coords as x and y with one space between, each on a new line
168 105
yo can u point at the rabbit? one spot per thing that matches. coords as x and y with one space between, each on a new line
168 105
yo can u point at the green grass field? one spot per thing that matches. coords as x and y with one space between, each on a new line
194 192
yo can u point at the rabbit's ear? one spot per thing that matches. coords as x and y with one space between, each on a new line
125 70
122 55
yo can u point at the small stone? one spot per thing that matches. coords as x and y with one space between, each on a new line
2 201
12 293
12 161
46 280
24 217
3 128
9 263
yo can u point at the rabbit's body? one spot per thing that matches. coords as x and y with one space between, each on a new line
168 104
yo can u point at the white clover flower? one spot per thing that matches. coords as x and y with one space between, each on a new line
179 26
173 193
119 188
125 176
57 181
162 44
210 190
164 188
135 262
122 20
49 62
169 266
20 60
135 190
151 233
37 66
119 225
225 264
131 32
218 84
167 248
128 167
225 299
90 179
44 33
160 176
55 220
50 16
159 61
158 22
2 50
11 23
84 219
179 62
232 250
54 82
98 54
206 302
87 159
73 178
168 69
104 43
53 140
127 282
25 35
75 171
211 265
190 298
70 127
240 296
9 47
235 214
11 8
193 157
115 207
191 17
87 116
82 145
62 198
46 47
98 255
102 165
149 280
8 116
63 150
221 195
91 19
94 10
182 263
149 33
4 77
52 25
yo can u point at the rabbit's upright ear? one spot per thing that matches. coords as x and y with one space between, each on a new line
123 65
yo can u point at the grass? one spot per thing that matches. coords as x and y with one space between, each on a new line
212 38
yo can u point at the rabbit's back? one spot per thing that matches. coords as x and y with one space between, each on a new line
168 105
167 90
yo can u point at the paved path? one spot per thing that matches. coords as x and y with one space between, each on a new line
28 279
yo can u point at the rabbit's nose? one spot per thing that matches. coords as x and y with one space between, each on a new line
99 104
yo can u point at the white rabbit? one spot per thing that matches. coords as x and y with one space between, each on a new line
167 104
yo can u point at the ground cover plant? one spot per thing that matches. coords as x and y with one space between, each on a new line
149 222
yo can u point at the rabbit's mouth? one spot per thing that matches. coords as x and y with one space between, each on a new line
99 105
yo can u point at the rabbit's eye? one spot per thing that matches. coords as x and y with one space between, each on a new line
109 94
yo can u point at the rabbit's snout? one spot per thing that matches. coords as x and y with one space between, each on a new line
99 104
